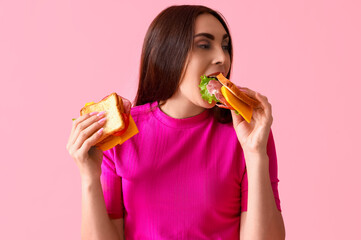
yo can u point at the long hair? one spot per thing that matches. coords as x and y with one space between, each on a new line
166 46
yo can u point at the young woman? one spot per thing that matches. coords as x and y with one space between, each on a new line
184 175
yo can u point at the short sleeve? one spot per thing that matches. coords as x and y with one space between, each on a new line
112 186
273 171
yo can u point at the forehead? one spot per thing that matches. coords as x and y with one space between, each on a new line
209 24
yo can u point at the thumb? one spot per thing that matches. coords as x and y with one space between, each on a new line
237 118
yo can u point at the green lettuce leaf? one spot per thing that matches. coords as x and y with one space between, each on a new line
204 92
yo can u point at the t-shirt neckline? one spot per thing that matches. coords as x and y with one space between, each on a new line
178 123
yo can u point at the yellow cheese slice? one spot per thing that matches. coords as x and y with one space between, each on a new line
89 103
241 107
131 131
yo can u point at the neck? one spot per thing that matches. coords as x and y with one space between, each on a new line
178 108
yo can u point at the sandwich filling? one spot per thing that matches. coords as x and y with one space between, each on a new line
211 91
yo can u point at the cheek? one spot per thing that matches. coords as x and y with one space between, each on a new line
190 87
228 63
196 65
192 79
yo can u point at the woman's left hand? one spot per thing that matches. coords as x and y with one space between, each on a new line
253 136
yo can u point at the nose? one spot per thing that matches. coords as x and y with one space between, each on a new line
220 56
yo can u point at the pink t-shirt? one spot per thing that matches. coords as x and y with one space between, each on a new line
179 178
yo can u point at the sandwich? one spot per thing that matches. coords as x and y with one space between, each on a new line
218 88
119 125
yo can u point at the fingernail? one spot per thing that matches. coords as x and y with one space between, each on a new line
100 131
101 113
92 113
101 121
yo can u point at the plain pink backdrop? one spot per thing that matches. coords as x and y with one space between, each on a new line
303 55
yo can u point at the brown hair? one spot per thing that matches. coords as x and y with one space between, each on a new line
166 46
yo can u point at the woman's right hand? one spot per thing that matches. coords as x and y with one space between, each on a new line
85 132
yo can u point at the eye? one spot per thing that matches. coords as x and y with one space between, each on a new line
226 47
204 46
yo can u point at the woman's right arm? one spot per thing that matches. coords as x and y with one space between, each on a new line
95 223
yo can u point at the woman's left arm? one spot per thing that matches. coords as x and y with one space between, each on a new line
262 220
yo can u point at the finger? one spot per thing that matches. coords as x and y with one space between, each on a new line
264 113
249 92
86 123
237 118
91 141
266 106
75 125
76 122
257 114
87 132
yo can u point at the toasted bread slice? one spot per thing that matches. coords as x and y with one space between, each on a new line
112 140
238 93
113 106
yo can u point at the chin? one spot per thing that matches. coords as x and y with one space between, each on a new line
207 105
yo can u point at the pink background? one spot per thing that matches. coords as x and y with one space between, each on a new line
303 55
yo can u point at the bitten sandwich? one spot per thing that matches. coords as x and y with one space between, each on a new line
119 125
227 95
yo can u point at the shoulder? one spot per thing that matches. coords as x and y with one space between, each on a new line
143 116
142 111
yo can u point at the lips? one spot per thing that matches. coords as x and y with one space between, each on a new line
214 74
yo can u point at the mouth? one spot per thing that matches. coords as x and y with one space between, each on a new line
214 75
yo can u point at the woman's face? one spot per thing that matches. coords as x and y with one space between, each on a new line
209 55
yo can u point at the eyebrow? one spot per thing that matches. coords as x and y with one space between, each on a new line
210 36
